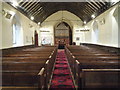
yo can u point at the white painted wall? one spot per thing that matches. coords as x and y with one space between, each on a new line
0 24
118 25
0 44
108 32
26 32
53 20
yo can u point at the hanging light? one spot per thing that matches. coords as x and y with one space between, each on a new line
38 23
93 16
32 18
84 22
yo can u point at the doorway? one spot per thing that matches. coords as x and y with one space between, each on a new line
36 38
63 35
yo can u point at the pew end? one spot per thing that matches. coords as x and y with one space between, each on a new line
99 79
42 77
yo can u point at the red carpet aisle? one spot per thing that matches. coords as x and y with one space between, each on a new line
61 75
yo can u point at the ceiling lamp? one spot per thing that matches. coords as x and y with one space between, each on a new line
38 23
93 16
32 18
84 22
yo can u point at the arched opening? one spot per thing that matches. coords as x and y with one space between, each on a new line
36 38
63 35
17 32
95 34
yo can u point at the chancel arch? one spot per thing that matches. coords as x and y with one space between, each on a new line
63 34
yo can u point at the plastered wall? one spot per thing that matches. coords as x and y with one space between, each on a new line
0 44
0 24
49 24
103 33
107 32
27 28
119 26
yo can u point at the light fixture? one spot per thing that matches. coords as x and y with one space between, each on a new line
84 22
8 15
32 18
93 16
38 23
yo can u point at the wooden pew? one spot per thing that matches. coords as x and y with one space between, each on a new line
99 79
83 60
26 63
109 49
20 70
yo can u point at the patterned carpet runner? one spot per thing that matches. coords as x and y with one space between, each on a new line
61 75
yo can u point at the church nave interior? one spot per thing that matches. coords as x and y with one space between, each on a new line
50 45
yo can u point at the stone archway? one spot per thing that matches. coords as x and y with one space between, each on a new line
63 34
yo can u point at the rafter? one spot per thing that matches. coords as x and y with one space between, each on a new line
42 10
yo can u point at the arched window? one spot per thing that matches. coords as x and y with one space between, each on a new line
95 33
16 32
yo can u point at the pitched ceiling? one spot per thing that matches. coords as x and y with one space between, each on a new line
41 10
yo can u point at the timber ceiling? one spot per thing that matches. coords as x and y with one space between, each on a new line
41 10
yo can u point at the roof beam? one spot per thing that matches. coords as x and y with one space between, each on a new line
22 4
39 10
32 10
20 1
95 4
27 4
98 2
32 7
92 5
87 7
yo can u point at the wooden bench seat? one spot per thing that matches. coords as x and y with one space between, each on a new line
28 54
19 88
23 65
20 78
93 67
28 67
93 53
99 79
